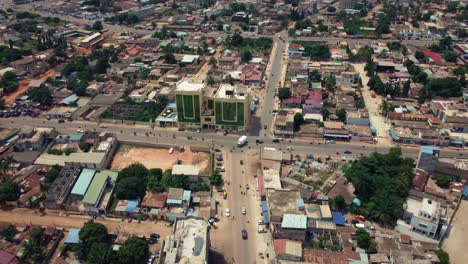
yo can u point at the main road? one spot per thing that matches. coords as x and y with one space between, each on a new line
156 135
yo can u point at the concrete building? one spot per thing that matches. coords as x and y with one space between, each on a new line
427 159
426 217
99 157
227 107
293 227
99 192
34 139
59 192
281 202
288 250
189 95
231 106
188 242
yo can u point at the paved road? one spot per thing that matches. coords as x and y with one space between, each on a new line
259 122
145 134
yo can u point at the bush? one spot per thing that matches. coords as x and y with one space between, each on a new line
85 147
443 181
57 152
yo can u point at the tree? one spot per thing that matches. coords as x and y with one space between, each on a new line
41 95
329 82
131 182
246 56
8 233
445 87
460 70
340 203
284 93
50 177
363 238
443 256
382 183
406 88
134 251
34 250
213 61
443 181
315 76
341 114
236 40
92 234
420 55
97 26
169 58
450 56
210 81
216 178
85 147
5 167
102 64
100 253
9 82
298 121
9 191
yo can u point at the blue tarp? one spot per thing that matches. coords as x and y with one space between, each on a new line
132 205
465 191
73 236
253 107
300 203
338 218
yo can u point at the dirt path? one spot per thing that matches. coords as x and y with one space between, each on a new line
456 243
115 226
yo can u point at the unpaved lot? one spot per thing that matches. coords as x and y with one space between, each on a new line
456 243
157 158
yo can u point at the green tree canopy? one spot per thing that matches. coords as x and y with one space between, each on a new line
34 250
9 191
134 251
216 178
284 93
41 95
91 234
382 183
446 87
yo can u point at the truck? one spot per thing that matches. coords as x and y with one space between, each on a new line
242 140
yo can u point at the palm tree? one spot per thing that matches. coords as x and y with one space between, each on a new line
213 61
5 167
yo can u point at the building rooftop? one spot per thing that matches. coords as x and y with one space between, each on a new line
282 202
230 91
289 247
187 243
294 221
83 182
84 158
271 179
97 186
190 85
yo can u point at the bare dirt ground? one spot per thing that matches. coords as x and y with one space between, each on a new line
456 243
115 226
157 158
23 87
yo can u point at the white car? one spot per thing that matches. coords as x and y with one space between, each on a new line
244 211
260 222
171 150
261 230
228 212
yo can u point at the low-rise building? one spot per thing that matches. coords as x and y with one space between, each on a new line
288 250
34 139
99 193
59 192
426 217
188 242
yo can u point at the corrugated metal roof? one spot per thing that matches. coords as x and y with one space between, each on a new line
294 221
338 218
83 182
96 187
186 196
73 236
132 205
325 211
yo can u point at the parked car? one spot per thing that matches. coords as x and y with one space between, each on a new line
275 140
348 152
244 211
261 230
171 150
228 212
244 234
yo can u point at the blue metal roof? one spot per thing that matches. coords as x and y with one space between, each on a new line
70 99
132 205
171 105
265 212
73 236
338 218
465 191
83 182
429 149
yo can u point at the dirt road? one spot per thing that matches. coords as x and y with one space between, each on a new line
115 226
